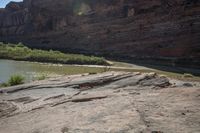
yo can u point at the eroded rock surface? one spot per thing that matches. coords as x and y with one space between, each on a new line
111 102
160 31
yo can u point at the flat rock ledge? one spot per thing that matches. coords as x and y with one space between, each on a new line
110 102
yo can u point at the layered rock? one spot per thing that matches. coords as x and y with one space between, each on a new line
163 30
111 102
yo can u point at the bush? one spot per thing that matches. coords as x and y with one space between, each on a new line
21 52
20 45
41 77
16 80
187 75
4 85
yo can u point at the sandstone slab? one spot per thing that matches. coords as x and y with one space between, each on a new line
111 102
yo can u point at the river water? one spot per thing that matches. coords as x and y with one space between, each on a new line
31 69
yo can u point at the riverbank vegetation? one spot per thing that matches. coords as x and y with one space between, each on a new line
41 77
23 53
14 80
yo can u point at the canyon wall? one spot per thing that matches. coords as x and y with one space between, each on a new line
154 31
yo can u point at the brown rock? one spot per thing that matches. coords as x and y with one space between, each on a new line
159 31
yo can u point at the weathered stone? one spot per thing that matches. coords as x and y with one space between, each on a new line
6 108
125 104
187 85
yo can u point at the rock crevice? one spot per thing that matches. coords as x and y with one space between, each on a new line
127 103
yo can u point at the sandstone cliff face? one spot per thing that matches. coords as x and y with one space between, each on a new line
168 30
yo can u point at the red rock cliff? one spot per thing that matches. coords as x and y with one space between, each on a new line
168 30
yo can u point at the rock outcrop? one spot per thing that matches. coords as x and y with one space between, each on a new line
111 102
165 31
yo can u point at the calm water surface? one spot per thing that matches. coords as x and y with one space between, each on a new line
30 69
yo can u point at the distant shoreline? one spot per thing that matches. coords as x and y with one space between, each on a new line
22 53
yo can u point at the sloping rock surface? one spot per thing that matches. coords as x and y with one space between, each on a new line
111 102
162 31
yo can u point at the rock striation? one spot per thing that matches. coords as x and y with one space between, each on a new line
162 31
110 102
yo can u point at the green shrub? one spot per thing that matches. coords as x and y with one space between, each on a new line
4 85
21 52
16 80
41 77
187 75
20 45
